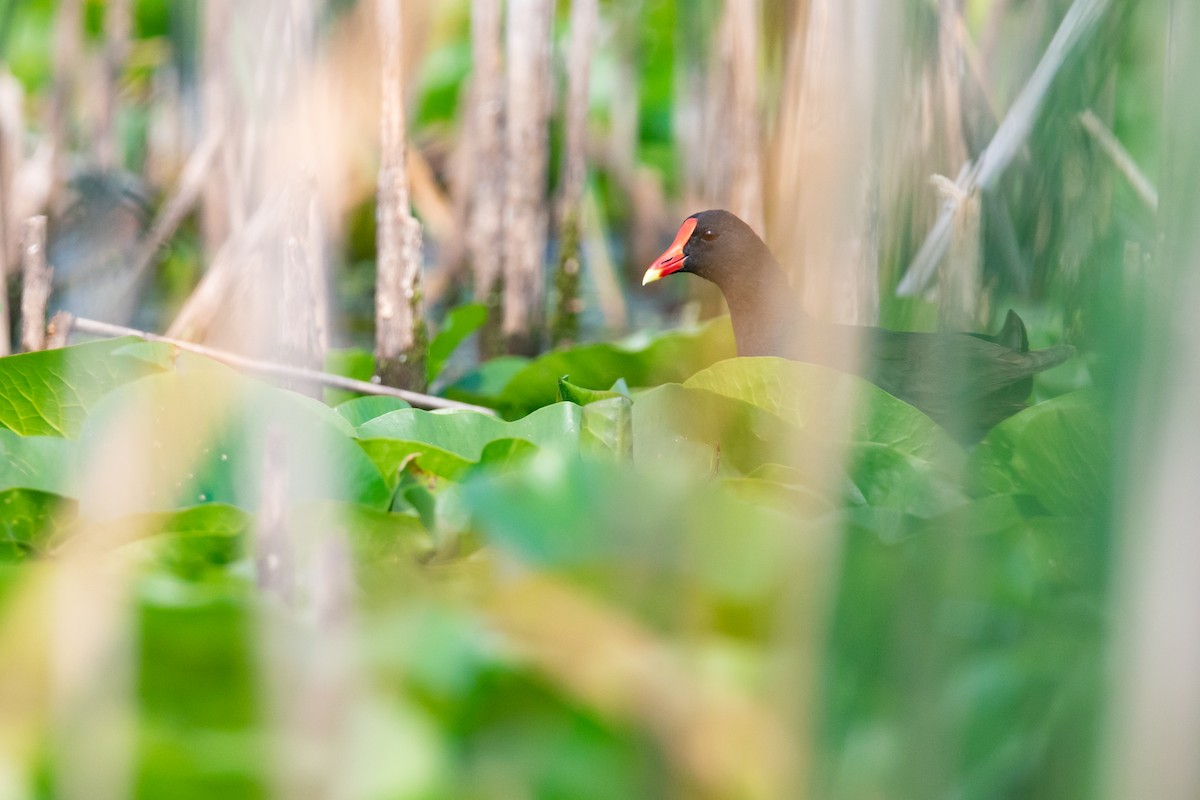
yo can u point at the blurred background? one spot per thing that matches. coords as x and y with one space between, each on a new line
638 581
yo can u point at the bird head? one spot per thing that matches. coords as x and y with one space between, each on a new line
715 245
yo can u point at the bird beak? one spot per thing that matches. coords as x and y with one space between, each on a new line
671 260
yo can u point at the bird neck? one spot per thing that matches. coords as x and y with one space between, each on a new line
761 307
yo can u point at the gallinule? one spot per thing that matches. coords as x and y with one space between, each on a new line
966 382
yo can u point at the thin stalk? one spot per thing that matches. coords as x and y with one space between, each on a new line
118 23
416 399
35 289
527 144
400 335
486 158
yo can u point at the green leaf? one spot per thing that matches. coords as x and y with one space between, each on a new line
41 463
448 443
579 395
28 521
460 323
608 426
49 393
157 354
809 396
1059 452
642 361
787 498
214 432
383 543
199 542
363 409
704 432
749 412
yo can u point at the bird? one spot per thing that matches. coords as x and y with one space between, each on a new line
966 382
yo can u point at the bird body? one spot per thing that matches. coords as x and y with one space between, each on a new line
966 382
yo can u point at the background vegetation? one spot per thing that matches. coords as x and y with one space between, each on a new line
639 567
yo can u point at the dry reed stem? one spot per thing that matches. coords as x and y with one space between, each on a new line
1079 25
824 173
11 131
35 290
180 203
58 330
486 212
959 279
68 49
950 71
1154 719
274 545
438 215
527 146
400 337
735 142
822 187
261 189
1121 159
228 280
219 113
603 272
118 24
300 336
975 66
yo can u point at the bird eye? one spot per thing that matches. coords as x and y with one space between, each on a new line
708 234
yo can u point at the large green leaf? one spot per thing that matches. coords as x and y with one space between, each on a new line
49 393
1059 452
642 361
741 414
809 396
215 432
358 410
449 443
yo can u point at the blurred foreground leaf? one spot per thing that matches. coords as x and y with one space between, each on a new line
49 393
42 463
28 520
744 414
214 432
563 513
